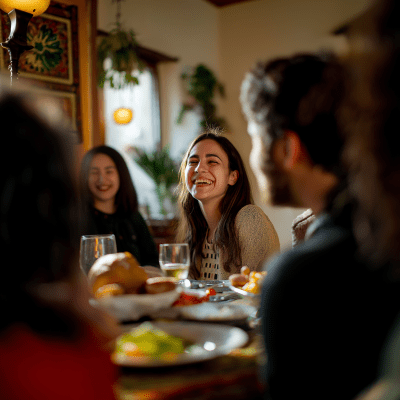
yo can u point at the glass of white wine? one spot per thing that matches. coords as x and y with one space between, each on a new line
175 260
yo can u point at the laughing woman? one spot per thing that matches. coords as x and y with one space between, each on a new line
110 204
225 231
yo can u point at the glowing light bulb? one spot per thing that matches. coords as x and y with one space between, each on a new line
123 115
35 7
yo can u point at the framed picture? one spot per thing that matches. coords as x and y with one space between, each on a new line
62 105
51 68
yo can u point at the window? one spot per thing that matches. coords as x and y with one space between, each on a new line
143 131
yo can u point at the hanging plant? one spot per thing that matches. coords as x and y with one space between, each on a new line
202 86
121 48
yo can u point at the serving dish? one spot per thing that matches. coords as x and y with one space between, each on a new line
131 307
209 341
232 313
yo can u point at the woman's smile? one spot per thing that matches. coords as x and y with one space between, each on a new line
202 182
103 188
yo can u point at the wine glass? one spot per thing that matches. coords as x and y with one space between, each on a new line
175 260
95 246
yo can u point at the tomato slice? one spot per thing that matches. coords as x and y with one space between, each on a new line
211 292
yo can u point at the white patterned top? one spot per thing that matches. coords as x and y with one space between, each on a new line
210 263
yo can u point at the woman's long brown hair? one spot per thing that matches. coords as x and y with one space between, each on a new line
193 227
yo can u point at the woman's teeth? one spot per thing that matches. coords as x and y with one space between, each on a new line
202 182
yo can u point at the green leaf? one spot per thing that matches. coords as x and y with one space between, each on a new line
202 85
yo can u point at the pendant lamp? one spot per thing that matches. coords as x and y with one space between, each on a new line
123 115
20 13
34 7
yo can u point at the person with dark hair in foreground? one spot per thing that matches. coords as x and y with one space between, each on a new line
325 311
53 344
371 117
224 230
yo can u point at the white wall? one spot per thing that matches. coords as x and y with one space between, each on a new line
229 40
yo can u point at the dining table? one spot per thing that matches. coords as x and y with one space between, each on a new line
234 375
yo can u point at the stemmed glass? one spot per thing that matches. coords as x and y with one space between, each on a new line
175 260
95 246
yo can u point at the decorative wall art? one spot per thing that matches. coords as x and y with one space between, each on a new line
51 68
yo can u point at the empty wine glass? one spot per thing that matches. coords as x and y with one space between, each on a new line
95 246
175 260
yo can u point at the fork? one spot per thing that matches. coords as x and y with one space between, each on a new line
224 297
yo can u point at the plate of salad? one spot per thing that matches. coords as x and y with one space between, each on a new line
161 344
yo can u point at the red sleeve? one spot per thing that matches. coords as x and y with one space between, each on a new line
38 369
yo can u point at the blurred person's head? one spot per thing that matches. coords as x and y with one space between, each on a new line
225 176
39 229
105 179
371 116
290 105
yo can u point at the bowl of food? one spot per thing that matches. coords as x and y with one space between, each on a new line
248 284
120 285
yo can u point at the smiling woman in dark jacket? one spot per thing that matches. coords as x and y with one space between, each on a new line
110 204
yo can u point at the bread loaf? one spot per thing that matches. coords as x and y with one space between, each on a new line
119 268
159 285
112 289
238 280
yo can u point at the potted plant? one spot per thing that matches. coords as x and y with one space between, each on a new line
202 86
121 48
162 169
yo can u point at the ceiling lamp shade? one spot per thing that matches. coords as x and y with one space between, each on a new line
35 7
123 115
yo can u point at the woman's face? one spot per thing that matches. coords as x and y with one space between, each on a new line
207 173
103 179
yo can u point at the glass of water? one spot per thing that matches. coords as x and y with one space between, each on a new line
95 246
175 260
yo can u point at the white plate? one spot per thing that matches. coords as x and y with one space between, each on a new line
212 341
131 307
218 312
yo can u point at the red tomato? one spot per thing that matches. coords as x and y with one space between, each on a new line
188 299
211 292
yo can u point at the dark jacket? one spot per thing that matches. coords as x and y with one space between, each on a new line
131 234
325 317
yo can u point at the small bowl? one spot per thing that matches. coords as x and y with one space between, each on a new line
131 307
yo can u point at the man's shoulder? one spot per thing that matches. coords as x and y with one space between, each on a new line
331 245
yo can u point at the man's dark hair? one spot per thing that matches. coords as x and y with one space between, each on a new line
301 94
